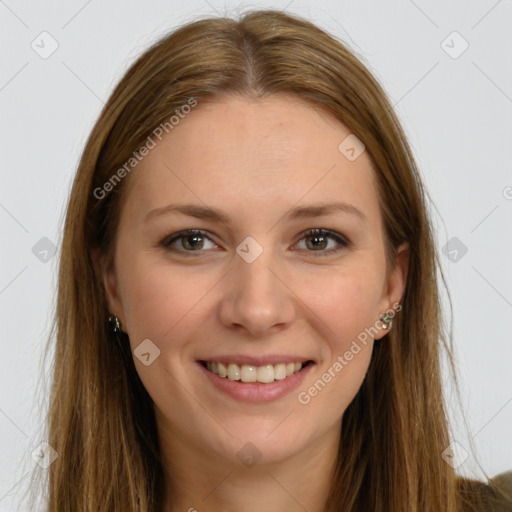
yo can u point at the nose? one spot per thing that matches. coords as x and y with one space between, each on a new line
257 297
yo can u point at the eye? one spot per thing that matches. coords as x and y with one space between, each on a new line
191 240
320 240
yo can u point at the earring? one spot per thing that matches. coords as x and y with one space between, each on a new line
115 329
387 321
115 324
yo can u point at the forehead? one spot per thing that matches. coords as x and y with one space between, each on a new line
253 156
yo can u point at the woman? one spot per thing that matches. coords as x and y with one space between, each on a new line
293 361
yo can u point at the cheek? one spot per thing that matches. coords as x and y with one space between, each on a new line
346 310
345 299
332 392
156 297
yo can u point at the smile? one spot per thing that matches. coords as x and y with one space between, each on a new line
264 374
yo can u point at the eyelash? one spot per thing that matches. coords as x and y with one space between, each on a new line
315 232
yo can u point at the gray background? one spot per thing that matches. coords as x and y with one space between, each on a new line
456 109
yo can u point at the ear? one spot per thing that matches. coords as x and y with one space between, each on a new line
395 283
108 279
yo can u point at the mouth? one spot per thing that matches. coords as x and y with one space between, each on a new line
249 379
251 373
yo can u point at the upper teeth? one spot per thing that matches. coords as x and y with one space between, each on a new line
250 373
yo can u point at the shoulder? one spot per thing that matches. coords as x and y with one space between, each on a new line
493 496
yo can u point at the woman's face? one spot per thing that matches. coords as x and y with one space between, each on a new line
253 292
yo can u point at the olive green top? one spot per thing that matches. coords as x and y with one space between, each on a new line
494 496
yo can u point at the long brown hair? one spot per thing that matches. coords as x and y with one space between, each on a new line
101 420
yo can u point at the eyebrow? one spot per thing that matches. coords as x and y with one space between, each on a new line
299 212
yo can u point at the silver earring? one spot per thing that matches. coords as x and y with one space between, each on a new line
387 321
115 324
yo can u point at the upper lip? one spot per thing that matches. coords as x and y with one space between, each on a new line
257 360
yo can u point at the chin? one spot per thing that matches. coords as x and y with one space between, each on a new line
260 440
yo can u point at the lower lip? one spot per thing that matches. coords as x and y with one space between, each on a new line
257 392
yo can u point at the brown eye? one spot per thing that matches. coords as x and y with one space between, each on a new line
191 240
319 241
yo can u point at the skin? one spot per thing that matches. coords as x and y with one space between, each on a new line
254 160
